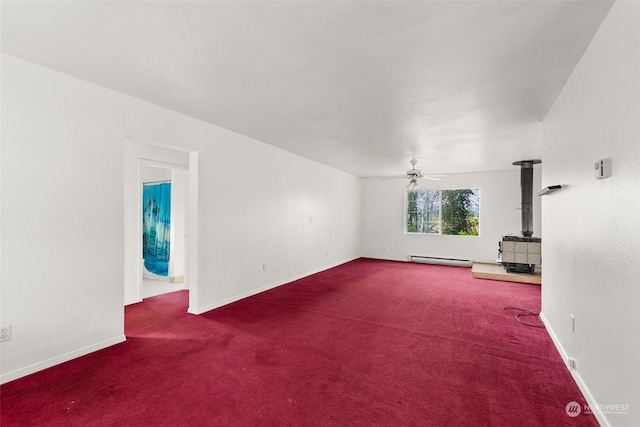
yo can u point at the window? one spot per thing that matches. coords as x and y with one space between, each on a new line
451 212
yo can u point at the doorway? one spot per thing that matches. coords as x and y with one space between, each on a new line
148 163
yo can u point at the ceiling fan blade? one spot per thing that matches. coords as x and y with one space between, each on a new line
394 177
431 178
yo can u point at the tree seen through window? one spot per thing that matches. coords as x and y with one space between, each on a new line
450 212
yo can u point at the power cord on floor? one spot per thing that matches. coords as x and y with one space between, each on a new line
523 312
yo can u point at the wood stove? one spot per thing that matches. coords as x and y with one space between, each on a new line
521 254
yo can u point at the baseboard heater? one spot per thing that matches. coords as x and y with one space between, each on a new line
442 261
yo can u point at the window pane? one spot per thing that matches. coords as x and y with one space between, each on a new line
423 212
461 212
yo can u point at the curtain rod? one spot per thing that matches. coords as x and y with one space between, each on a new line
157 182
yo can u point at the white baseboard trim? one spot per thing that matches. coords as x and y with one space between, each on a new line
218 304
591 401
385 258
28 370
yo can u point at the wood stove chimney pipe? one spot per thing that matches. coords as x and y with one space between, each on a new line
526 194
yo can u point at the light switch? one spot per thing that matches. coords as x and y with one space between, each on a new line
602 168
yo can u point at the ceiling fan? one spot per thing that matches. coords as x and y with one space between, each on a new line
413 175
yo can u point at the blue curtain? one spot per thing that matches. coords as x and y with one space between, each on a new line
156 226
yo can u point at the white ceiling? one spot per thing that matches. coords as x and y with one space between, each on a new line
361 86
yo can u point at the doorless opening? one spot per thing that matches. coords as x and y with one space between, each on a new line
170 262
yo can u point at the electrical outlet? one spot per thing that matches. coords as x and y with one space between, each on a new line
264 267
572 363
5 333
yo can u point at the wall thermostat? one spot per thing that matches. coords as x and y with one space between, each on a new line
603 168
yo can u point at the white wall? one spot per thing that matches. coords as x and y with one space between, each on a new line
383 216
179 191
591 229
151 173
63 180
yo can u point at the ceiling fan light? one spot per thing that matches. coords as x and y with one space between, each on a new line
413 185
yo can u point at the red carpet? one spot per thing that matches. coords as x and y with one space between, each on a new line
369 343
